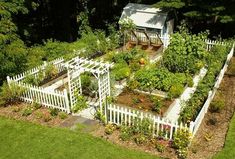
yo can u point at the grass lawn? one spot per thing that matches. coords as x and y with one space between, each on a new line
20 139
228 151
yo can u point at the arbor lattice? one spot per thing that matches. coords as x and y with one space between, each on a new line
100 70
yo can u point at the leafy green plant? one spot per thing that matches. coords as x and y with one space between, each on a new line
217 105
80 104
38 114
27 111
157 104
100 116
140 139
54 111
109 129
63 115
160 147
185 53
51 71
181 142
36 105
10 93
126 133
176 91
120 71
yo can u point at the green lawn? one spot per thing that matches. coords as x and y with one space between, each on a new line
228 151
25 140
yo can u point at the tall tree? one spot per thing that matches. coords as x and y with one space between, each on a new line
12 49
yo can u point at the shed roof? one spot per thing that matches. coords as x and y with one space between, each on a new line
144 15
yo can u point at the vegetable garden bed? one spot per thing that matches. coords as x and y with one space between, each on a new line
150 103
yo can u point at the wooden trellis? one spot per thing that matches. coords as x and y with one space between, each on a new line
100 70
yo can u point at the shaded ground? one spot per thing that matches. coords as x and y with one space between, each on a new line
210 138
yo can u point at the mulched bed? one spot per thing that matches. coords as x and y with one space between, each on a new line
130 144
15 111
141 101
211 135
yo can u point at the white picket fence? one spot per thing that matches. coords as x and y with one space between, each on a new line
196 124
211 43
49 98
58 63
120 115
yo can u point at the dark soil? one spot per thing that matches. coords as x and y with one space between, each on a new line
141 101
211 135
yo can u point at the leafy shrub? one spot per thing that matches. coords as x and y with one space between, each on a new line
27 111
140 139
217 105
38 114
185 53
126 133
160 147
36 105
157 104
85 80
80 104
63 115
181 141
120 71
109 128
215 61
10 93
100 116
51 71
176 91
54 111
158 78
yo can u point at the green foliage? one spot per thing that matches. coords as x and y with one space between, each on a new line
158 78
157 104
54 111
215 61
217 105
176 91
27 111
181 142
185 53
36 105
160 147
126 133
80 104
51 71
63 115
120 71
109 129
100 116
85 80
140 139
10 93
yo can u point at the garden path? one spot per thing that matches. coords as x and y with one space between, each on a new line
174 110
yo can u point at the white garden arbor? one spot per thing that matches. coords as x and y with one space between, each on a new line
100 70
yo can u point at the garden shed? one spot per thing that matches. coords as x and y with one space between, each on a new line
151 23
